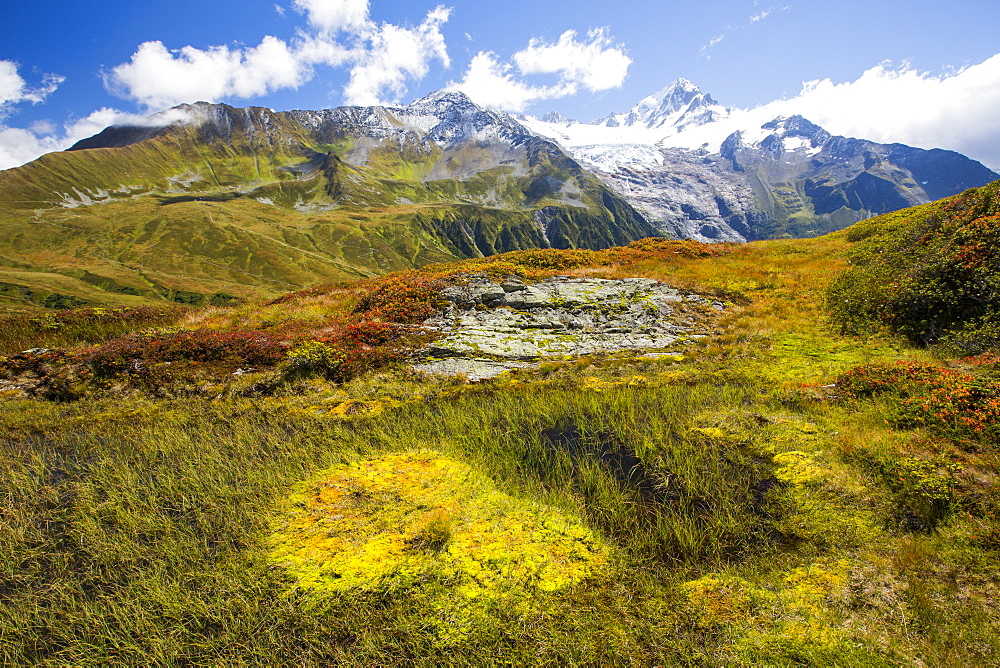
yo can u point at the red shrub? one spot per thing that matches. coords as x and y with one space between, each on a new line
200 345
405 297
372 333
943 400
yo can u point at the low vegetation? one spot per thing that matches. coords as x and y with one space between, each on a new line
930 274
269 483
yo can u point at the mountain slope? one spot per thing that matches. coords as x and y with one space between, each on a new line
235 202
699 170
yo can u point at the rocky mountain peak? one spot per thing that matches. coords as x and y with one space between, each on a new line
556 117
677 96
798 126
459 118
679 105
445 100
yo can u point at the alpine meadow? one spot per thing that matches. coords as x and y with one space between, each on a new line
446 383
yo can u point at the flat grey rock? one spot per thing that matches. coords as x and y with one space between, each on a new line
492 326
473 369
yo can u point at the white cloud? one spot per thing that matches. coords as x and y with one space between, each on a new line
757 18
14 89
334 15
490 83
384 59
18 146
957 110
395 56
596 64
11 84
157 77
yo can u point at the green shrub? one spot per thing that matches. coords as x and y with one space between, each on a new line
313 358
930 273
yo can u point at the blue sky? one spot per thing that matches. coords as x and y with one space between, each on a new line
69 68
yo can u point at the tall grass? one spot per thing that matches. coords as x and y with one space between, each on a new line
136 536
72 328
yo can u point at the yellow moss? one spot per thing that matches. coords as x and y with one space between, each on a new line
798 468
410 518
353 407
711 432
337 408
797 612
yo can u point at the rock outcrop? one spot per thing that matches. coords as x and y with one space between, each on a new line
491 326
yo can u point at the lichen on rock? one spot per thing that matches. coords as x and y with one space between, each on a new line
509 322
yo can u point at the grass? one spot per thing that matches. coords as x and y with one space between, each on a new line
71 328
738 508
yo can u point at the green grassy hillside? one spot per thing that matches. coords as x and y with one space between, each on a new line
255 203
268 483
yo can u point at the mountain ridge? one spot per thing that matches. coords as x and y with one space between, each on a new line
299 197
686 162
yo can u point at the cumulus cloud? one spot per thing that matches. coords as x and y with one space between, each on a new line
595 64
11 84
383 59
396 55
335 15
18 145
492 83
157 77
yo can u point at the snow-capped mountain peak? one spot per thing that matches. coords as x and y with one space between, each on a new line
679 105
797 127
557 118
